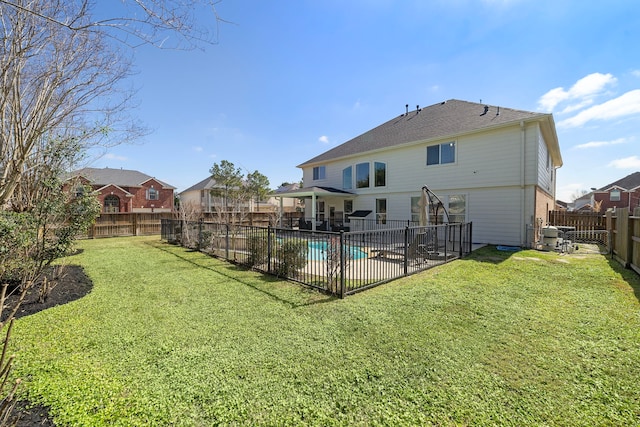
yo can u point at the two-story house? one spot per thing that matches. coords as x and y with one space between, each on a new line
490 165
122 190
623 193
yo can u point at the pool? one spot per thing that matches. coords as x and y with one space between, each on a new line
318 251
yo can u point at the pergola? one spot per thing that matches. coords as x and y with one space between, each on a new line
312 193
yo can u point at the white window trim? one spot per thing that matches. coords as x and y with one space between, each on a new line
440 164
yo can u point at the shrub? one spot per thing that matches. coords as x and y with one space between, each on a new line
292 257
258 248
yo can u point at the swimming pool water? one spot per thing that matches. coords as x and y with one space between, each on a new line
318 251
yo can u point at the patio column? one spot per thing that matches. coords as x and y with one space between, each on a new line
313 211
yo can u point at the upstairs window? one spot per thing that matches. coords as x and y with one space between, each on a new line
319 172
380 174
153 194
362 175
347 178
614 195
441 154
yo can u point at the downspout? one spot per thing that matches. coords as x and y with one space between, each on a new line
522 182
281 211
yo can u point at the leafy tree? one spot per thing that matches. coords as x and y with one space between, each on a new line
228 180
257 185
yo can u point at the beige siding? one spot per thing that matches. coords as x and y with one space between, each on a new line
489 166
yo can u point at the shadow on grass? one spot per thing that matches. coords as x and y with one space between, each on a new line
630 276
489 254
263 277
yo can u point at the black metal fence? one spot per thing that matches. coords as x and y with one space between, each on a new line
340 263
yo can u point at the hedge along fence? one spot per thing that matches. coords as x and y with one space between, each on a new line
339 263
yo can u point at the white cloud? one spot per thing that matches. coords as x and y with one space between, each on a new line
197 149
584 90
112 156
624 105
568 191
594 144
636 73
632 162
324 139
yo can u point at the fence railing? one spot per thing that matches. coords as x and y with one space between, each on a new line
625 236
340 263
353 224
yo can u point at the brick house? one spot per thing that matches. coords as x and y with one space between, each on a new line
122 190
623 193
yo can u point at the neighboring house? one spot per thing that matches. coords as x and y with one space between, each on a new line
287 204
561 205
122 190
199 195
623 193
583 203
493 166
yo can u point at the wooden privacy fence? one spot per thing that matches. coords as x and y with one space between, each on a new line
127 224
624 228
147 223
582 221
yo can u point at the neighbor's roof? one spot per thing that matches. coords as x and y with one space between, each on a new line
443 120
120 177
206 184
629 182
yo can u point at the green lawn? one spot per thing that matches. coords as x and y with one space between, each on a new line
172 337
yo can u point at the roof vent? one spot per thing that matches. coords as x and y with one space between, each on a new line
418 109
407 107
498 112
486 109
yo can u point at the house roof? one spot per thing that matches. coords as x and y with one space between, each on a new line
629 182
119 177
446 119
311 192
206 184
283 188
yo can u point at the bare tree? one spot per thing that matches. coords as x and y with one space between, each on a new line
62 92
166 24
62 77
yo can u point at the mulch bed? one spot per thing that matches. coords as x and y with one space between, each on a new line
72 284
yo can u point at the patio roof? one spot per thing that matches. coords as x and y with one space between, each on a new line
312 192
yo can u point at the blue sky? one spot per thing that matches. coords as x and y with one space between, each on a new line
291 79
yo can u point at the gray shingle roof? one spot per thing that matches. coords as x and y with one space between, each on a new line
445 119
119 177
206 184
629 182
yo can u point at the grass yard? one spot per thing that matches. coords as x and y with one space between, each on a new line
172 337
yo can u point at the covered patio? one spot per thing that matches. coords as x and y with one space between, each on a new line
314 194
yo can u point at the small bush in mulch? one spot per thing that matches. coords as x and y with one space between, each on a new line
70 284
